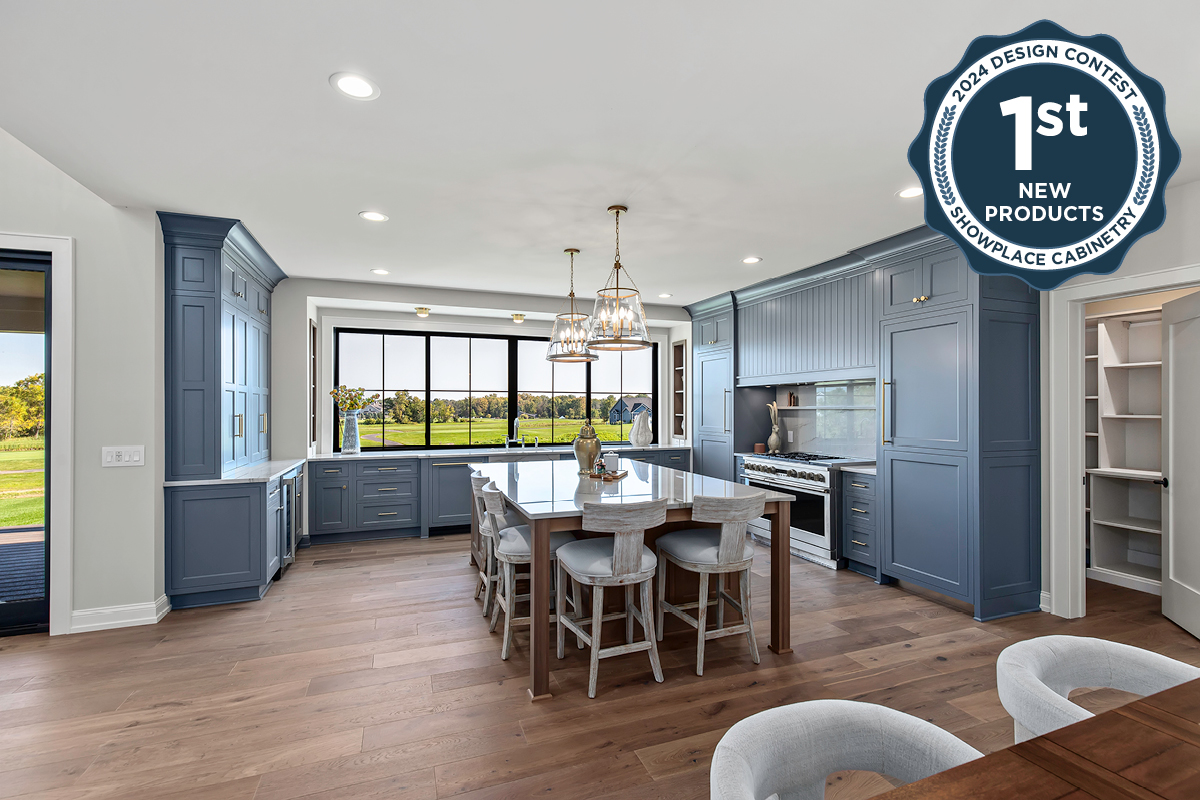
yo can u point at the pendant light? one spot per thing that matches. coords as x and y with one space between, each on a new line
618 321
568 338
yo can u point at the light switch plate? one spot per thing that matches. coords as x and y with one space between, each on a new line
789 437
126 455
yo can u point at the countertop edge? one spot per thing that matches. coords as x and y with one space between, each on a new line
550 450
277 467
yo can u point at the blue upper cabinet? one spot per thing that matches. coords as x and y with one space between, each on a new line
821 331
924 381
920 283
219 281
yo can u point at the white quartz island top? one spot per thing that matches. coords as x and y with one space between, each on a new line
556 449
544 489
262 472
861 469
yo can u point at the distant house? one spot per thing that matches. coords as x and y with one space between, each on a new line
627 408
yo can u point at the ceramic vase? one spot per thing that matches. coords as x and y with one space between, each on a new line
350 445
587 448
773 439
641 435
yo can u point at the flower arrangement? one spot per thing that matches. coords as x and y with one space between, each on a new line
349 399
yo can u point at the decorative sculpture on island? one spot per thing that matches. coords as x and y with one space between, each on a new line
773 439
640 435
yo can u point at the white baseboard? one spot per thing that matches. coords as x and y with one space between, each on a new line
109 617
1045 601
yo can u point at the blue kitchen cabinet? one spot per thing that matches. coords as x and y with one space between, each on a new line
902 286
925 375
713 414
713 331
355 499
449 492
220 544
860 522
193 406
330 506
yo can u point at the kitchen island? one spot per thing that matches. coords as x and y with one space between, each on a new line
550 497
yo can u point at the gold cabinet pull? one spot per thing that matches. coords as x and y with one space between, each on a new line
448 464
387 513
334 471
859 510
857 542
386 469
859 485
389 489
241 424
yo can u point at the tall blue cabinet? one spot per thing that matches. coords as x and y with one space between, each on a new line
224 529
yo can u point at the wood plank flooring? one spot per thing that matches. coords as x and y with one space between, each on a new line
369 672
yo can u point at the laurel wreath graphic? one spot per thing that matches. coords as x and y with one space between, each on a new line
1147 177
939 155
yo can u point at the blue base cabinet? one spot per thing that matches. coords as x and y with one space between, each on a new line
365 499
216 546
859 521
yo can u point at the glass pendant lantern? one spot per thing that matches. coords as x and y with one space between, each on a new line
618 320
568 338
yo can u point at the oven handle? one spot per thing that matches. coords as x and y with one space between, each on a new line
780 487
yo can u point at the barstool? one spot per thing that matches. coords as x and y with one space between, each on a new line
512 547
618 560
713 551
489 575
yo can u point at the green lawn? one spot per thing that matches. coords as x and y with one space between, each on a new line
22 459
22 493
483 431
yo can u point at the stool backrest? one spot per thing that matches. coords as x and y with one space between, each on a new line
734 513
478 481
628 523
493 503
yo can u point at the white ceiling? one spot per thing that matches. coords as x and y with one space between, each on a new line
505 129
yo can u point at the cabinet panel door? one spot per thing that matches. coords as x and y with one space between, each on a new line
714 389
241 356
240 290
216 537
194 269
264 359
945 278
450 493
926 522
330 508
902 284
714 456
253 352
193 376
724 328
925 369
253 442
707 332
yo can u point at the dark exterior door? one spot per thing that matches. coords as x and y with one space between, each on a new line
925 382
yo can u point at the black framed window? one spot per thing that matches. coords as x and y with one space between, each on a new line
449 390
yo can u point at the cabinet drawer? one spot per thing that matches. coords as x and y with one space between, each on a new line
858 485
859 511
859 545
675 460
381 488
388 515
408 466
274 495
330 469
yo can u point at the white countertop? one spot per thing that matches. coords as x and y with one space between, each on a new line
489 451
861 469
261 472
544 489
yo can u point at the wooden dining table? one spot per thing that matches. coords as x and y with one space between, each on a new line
550 496
1145 750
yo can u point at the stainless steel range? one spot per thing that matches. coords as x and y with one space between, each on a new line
816 483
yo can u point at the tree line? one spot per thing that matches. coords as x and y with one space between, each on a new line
23 407
409 408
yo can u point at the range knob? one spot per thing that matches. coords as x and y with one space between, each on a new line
793 474
818 477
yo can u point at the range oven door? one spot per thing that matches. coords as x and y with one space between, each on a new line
812 520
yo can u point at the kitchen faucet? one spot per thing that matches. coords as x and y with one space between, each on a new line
516 435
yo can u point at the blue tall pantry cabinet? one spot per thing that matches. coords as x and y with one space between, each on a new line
227 523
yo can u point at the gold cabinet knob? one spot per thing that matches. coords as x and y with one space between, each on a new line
923 298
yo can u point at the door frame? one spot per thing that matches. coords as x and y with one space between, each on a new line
62 416
1063 459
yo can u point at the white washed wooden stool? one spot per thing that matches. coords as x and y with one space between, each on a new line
512 547
489 573
619 560
713 551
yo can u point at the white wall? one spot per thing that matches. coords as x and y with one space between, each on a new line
118 544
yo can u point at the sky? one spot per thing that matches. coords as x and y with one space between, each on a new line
21 355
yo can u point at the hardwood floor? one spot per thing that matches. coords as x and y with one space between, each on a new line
369 672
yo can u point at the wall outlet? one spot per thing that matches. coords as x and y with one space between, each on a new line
126 455
790 437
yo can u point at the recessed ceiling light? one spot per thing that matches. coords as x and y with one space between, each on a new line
912 191
665 295
751 260
380 271
355 86
518 318
373 216
422 311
